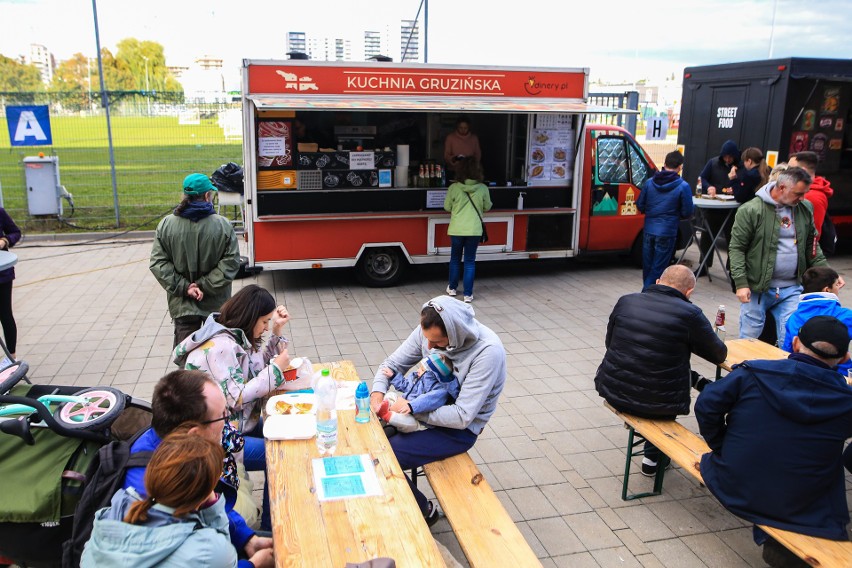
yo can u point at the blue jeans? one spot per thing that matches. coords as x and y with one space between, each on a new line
254 458
426 446
782 302
469 245
657 254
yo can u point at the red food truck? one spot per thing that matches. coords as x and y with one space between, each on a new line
344 165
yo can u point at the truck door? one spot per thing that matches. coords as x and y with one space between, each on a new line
726 119
619 169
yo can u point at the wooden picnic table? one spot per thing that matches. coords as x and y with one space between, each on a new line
740 350
308 532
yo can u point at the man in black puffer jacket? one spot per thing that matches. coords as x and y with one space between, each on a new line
649 339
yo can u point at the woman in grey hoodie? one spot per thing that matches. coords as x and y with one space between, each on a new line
479 360
181 522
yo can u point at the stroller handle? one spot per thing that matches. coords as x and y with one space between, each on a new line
45 414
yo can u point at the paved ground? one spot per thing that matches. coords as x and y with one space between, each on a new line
93 315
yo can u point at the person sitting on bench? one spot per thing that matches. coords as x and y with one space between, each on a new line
649 340
776 430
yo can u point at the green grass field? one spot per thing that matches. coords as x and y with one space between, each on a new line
152 156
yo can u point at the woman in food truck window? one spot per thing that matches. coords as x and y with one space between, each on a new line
461 143
467 201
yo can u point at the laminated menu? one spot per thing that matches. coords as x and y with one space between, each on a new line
551 153
274 144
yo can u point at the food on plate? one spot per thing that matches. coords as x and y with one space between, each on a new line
282 407
559 154
559 171
303 407
537 155
537 171
541 138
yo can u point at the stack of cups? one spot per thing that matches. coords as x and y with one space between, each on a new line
401 173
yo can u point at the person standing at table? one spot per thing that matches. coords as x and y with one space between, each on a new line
665 200
776 431
747 179
10 234
773 242
195 257
479 360
649 339
459 144
714 179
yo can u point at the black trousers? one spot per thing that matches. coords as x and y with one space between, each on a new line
186 326
7 319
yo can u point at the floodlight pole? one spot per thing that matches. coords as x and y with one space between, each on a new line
105 102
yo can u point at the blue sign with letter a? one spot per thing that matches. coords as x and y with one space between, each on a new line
29 125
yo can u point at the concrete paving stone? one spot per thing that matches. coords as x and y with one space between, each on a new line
741 541
619 556
644 523
546 423
650 561
556 536
592 497
613 521
607 424
677 518
712 514
629 538
449 540
493 450
521 447
713 551
511 475
591 438
565 443
566 499
542 470
537 387
592 531
532 539
579 560
589 466
544 448
531 503
487 473
674 553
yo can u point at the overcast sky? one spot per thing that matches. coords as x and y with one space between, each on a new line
616 39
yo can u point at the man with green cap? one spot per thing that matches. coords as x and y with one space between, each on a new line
195 257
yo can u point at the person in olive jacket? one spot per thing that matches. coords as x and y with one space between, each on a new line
195 257
649 340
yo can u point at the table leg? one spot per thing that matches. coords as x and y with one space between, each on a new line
692 239
716 238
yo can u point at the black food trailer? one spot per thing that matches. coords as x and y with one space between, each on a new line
781 106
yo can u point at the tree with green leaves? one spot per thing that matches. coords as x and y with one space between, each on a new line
17 77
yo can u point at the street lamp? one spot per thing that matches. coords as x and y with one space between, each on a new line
147 86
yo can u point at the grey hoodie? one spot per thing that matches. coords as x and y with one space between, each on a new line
479 360
786 255
199 539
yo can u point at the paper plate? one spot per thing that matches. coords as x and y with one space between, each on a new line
292 427
292 399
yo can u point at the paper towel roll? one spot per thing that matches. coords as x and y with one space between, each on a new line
401 176
402 155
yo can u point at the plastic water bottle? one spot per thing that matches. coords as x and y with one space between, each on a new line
362 403
698 189
719 325
326 393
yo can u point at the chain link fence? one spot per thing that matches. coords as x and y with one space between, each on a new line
158 138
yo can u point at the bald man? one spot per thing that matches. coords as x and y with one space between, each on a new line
649 340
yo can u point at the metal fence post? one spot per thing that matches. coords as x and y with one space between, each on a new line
633 104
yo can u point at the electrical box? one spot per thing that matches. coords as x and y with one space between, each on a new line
43 187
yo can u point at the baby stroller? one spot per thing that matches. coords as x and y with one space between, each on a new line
49 436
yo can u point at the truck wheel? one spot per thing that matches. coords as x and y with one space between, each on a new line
380 267
636 250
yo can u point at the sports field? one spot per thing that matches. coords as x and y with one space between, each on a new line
152 156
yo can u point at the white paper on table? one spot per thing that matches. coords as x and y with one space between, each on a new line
344 477
346 395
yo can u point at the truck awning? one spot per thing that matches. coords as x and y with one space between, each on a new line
445 104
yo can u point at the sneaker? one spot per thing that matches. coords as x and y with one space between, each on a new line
451 291
468 299
431 515
649 468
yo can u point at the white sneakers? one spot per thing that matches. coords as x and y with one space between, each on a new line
468 299
450 291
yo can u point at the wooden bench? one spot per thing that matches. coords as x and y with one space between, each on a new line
485 531
685 448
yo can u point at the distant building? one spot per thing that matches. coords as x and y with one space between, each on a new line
203 81
342 50
372 44
296 41
409 29
44 62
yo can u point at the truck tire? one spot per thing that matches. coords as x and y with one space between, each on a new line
380 267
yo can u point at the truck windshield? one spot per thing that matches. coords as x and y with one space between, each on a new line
620 161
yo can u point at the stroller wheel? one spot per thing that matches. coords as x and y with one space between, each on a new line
103 406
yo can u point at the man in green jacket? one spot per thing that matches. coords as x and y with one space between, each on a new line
195 257
773 242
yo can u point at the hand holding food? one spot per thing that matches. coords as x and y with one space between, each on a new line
282 359
733 173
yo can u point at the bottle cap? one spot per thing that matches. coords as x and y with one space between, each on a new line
325 372
361 391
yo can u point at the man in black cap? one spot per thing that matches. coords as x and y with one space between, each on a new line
776 430
195 257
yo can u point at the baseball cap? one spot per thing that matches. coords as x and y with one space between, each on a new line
438 366
197 184
826 329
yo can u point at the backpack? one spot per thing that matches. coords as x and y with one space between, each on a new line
229 178
827 236
106 477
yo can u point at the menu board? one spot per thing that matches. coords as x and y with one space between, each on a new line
551 155
274 144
